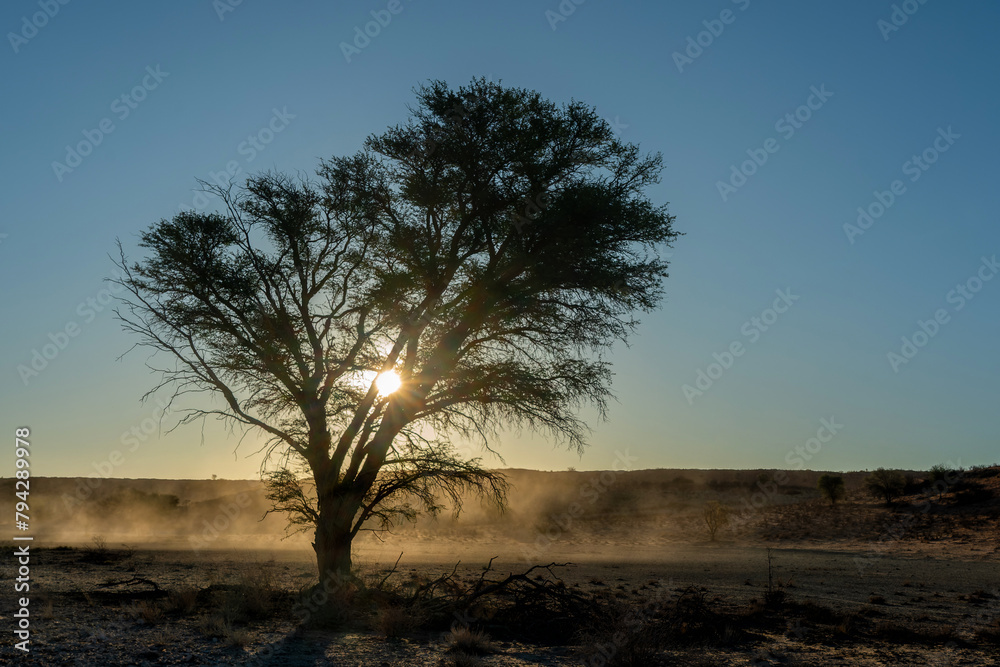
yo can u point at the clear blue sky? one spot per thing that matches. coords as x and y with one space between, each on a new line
826 356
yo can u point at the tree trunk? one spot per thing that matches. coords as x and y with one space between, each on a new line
333 554
333 539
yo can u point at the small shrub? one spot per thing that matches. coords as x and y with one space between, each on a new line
182 601
217 627
237 637
623 634
213 626
254 594
394 621
715 516
846 626
164 637
149 612
463 639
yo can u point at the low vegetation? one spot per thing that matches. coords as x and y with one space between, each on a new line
832 487
886 485
716 516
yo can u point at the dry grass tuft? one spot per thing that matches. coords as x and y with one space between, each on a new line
213 626
253 595
394 621
237 637
463 639
183 601
150 612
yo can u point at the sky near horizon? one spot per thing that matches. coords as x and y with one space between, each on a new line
833 167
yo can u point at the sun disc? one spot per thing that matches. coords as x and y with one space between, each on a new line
388 382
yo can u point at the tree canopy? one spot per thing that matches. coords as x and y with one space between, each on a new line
488 252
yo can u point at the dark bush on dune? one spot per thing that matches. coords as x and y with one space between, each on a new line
972 493
135 501
886 485
831 487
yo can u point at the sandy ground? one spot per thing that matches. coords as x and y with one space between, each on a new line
78 621
859 583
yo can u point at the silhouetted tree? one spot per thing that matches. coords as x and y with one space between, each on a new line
716 516
941 478
885 484
832 487
488 251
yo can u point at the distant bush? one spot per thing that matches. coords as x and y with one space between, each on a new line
942 478
832 487
912 485
719 485
715 516
941 472
885 484
682 483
